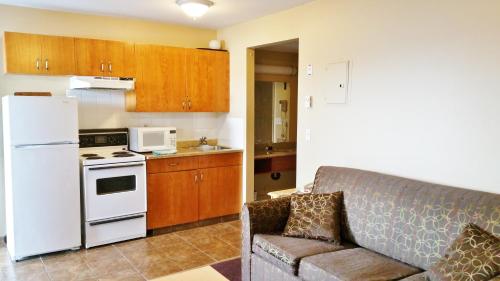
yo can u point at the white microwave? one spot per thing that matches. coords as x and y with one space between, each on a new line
147 139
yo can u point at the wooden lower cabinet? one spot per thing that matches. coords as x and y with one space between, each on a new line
172 198
220 192
187 189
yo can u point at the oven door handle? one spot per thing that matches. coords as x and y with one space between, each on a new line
118 166
116 220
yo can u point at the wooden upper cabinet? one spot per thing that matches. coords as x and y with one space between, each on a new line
59 55
161 79
103 57
38 54
208 80
23 53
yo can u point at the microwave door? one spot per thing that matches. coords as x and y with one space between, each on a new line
154 140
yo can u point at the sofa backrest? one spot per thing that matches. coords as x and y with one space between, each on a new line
409 220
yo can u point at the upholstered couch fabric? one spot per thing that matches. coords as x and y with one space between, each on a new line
353 265
417 277
410 221
266 216
286 252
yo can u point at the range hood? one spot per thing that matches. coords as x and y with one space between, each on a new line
97 82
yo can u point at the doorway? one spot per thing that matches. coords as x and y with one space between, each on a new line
274 117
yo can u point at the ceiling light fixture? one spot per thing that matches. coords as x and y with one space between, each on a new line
195 8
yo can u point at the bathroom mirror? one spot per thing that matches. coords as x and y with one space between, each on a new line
272 112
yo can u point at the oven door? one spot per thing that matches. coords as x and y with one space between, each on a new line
114 190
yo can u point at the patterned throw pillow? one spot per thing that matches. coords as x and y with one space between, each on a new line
474 256
315 216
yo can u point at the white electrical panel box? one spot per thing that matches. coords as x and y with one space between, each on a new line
336 82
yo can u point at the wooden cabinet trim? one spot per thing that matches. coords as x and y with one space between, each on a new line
220 160
165 165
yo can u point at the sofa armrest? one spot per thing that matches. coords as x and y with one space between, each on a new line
266 216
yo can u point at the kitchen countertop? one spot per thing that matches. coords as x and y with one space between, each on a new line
278 153
185 152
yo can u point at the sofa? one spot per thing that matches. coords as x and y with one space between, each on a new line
392 228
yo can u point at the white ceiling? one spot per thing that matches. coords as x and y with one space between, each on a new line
223 13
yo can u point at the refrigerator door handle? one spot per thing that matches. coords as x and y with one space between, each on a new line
44 144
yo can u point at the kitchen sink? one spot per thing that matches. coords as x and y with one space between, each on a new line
209 147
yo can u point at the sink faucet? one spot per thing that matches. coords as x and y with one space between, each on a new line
269 149
203 141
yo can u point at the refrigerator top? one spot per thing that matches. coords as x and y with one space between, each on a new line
39 120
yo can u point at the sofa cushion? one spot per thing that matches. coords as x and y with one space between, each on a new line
286 252
315 216
474 255
417 277
353 265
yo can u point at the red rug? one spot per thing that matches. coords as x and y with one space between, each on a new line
231 269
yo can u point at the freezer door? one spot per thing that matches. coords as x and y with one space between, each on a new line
40 120
45 192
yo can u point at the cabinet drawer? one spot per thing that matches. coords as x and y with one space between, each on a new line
284 163
220 160
171 164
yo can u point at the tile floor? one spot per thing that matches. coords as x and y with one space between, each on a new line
140 259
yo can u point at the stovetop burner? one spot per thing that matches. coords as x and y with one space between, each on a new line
89 155
95 157
124 155
120 152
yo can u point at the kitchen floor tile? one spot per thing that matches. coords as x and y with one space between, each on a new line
156 270
135 260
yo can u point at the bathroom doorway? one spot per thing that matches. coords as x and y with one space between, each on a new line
275 118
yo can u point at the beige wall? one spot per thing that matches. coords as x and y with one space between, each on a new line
101 113
424 93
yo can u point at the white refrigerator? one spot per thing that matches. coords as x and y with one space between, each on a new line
42 186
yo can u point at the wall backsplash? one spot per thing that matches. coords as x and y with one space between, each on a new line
106 109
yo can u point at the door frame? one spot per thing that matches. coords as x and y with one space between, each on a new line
250 113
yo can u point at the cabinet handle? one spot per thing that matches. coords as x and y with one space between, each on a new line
110 67
195 178
102 67
47 64
189 104
37 64
173 164
183 105
201 176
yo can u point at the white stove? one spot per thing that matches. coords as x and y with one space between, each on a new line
108 155
113 187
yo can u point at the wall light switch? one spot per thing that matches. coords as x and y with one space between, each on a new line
308 135
309 70
308 101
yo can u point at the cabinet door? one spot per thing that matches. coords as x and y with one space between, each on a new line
172 198
208 80
220 191
90 57
23 53
58 55
161 79
115 58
